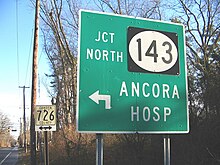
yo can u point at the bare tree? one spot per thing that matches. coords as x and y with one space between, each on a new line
60 32
60 46
5 138
4 123
142 8
201 19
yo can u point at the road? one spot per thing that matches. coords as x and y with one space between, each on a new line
8 156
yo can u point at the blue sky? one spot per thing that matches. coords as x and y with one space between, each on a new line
11 77
8 41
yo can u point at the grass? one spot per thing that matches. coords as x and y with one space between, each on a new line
25 158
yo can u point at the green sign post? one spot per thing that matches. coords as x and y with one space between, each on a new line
131 75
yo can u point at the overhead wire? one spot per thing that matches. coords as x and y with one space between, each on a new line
28 63
30 57
39 81
18 67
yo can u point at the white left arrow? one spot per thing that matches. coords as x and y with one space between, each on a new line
96 97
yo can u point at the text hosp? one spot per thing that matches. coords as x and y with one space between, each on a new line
149 90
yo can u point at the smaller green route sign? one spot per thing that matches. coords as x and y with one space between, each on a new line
131 75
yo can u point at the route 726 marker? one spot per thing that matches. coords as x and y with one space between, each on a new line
131 75
45 118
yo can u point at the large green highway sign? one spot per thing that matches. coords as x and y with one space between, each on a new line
131 75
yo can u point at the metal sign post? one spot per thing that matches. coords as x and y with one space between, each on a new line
46 149
167 150
99 149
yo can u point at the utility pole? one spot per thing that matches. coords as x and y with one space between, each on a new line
24 120
34 84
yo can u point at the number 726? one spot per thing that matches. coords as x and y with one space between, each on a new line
45 115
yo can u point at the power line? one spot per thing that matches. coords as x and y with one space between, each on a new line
29 57
18 67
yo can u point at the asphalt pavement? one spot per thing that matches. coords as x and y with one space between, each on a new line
8 156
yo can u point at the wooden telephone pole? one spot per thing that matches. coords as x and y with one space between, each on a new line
24 119
34 84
